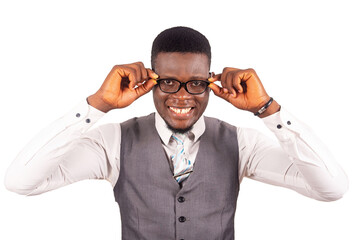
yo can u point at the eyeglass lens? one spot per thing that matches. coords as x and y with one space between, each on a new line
193 86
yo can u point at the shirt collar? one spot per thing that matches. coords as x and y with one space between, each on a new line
165 133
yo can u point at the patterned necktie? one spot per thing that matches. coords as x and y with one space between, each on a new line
182 165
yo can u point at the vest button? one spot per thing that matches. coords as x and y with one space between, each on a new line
181 199
182 219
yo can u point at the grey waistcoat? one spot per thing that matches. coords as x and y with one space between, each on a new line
154 206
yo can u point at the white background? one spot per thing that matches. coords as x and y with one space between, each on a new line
53 54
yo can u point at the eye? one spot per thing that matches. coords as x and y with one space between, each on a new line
169 82
196 83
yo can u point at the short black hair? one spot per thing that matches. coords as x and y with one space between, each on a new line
180 39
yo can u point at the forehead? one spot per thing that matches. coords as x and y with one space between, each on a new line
182 64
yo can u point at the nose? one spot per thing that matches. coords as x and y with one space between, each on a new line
182 93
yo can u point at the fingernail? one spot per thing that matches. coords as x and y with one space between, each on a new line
155 82
211 85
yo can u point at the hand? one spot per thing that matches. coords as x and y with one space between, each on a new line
123 85
242 88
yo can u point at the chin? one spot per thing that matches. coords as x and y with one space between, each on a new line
179 130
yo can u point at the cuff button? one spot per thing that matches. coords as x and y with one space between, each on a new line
87 120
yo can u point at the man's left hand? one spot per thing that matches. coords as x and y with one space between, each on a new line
243 89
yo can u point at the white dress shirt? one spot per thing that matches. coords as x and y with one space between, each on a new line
66 152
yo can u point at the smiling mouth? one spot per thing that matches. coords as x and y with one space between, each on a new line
180 110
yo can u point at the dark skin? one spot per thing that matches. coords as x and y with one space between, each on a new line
182 67
126 83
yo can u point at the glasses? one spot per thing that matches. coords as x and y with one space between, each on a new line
192 86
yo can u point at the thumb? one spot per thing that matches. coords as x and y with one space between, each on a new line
219 91
145 88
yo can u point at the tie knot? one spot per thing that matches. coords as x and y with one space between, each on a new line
179 138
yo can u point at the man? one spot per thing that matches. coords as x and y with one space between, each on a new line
176 173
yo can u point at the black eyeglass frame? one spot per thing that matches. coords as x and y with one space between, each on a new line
183 84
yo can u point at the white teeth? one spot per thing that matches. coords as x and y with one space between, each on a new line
180 110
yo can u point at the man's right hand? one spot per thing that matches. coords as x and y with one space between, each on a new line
123 85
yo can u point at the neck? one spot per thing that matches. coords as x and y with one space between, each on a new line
177 130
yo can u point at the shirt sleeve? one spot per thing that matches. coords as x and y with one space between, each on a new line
66 151
299 160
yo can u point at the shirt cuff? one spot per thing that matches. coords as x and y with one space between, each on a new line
83 114
284 125
288 129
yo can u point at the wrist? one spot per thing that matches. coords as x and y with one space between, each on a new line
98 103
273 108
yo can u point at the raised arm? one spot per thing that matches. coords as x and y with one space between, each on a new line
298 161
44 162
64 152
301 162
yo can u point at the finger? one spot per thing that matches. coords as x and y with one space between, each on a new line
215 78
230 83
248 74
151 73
138 75
243 77
127 77
144 75
225 82
223 78
218 91
237 82
131 75
215 88
145 88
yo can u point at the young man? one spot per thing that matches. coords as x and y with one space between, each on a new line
176 173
